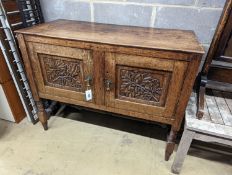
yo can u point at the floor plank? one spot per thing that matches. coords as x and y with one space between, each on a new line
223 108
228 98
206 116
194 124
213 110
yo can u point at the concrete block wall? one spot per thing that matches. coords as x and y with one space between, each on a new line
199 15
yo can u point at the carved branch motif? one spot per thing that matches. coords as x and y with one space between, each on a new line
64 73
140 85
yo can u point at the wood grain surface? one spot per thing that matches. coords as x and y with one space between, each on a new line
164 39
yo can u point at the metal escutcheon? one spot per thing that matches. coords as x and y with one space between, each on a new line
108 84
88 80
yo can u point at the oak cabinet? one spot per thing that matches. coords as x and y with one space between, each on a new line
137 72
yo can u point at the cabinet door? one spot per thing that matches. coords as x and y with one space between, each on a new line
143 84
61 71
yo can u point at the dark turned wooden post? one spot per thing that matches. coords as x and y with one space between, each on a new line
42 114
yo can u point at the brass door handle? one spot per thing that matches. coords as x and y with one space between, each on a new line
108 84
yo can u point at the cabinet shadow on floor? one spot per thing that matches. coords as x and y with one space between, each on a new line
153 130
117 122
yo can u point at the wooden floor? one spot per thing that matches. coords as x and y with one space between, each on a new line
218 107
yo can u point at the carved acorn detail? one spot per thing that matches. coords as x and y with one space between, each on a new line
140 85
63 72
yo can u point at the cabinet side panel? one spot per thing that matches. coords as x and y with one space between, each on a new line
27 64
186 90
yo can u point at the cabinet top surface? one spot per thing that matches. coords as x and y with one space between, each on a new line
163 39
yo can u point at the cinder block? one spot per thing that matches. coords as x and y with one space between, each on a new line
211 3
122 14
202 21
170 2
65 9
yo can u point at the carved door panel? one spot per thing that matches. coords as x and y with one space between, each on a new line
62 71
143 84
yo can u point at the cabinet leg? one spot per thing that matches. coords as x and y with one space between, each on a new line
170 144
45 125
42 115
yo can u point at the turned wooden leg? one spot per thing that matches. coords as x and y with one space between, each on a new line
42 115
182 150
170 144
